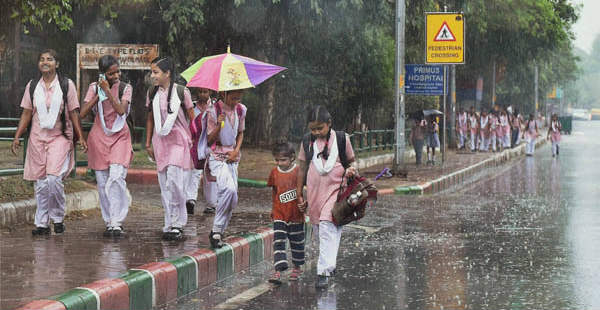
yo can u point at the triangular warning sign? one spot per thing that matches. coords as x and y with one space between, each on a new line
444 34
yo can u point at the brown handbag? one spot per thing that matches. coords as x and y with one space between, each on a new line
353 200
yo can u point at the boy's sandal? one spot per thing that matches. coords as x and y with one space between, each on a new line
275 278
295 274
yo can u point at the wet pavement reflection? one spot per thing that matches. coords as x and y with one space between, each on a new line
525 237
38 267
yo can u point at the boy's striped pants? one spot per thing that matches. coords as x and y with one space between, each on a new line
295 233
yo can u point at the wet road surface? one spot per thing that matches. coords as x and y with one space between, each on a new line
38 267
525 237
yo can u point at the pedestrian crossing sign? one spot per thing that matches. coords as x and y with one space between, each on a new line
445 38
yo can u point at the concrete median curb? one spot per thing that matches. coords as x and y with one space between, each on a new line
159 283
23 211
461 176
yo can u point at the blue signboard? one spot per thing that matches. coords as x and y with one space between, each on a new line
425 80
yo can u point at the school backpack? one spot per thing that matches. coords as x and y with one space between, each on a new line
200 148
307 144
64 87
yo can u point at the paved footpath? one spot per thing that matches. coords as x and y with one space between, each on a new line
44 266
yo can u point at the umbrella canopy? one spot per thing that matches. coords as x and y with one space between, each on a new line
228 71
432 112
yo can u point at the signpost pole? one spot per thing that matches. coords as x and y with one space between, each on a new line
445 131
399 93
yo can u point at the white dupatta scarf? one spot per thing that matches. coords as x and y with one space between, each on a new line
159 128
321 168
119 121
47 116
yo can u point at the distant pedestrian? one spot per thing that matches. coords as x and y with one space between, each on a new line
530 135
484 132
288 219
225 128
473 129
461 126
326 159
494 125
504 130
110 150
168 142
417 138
47 101
516 127
432 139
554 134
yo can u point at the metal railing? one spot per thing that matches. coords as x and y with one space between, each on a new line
86 126
374 140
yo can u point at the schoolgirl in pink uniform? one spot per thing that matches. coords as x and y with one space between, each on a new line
325 173
50 150
473 128
484 132
504 130
110 150
168 142
226 133
554 134
202 103
462 128
530 134
493 129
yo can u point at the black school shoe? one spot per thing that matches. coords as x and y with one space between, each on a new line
215 239
117 231
108 232
209 210
59 228
175 234
38 231
190 205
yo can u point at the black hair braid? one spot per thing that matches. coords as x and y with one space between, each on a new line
169 95
65 110
325 152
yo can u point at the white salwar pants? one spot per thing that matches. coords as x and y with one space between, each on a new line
530 147
329 244
227 196
112 190
473 141
172 189
50 197
191 187
210 192
554 148
462 139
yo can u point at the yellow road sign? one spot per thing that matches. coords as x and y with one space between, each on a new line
445 37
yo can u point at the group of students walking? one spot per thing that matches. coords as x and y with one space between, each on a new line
485 131
50 152
192 138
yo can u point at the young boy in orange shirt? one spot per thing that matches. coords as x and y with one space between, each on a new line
288 219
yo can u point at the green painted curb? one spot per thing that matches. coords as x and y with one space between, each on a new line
186 275
77 299
256 243
140 285
224 262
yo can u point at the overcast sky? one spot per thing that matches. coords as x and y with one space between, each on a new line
588 25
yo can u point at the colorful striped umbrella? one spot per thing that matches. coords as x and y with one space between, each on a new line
228 72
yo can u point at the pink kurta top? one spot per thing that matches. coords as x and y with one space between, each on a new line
220 150
47 149
474 124
174 148
321 190
530 130
555 131
493 125
105 150
462 123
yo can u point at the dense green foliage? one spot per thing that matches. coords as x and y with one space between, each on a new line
338 53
